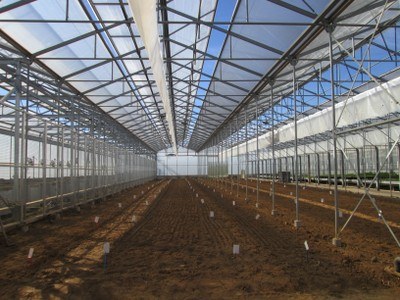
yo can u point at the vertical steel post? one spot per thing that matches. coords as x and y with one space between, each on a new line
297 222
16 179
273 210
257 162
336 240
231 167
247 153
238 158
23 162
61 164
44 168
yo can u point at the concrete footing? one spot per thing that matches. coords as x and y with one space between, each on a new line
337 242
297 224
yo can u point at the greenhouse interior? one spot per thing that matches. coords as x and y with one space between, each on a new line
203 149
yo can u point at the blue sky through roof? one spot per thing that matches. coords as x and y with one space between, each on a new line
223 13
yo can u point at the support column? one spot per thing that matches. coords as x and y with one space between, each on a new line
318 168
257 162
309 168
231 168
273 210
377 168
336 240
17 120
358 167
297 222
247 154
238 158
44 168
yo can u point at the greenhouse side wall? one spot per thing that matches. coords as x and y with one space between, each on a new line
52 167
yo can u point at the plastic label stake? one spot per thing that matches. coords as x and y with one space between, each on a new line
197 195
211 214
30 253
133 218
291 193
257 205
233 203
330 192
257 216
147 202
307 248
134 196
322 200
202 201
106 250
120 205
235 249
96 219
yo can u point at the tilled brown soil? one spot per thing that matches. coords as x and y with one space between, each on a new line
176 251
69 249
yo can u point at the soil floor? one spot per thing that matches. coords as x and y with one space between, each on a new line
165 245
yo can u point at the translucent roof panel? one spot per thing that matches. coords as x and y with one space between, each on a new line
216 57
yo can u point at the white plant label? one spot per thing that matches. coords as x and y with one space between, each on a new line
120 205
304 187
233 203
330 192
291 193
197 195
236 249
340 214
306 246
96 219
257 216
106 248
147 202
134 196
30 253
211 214
257 205
134 218
322 200
202 201
142 192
